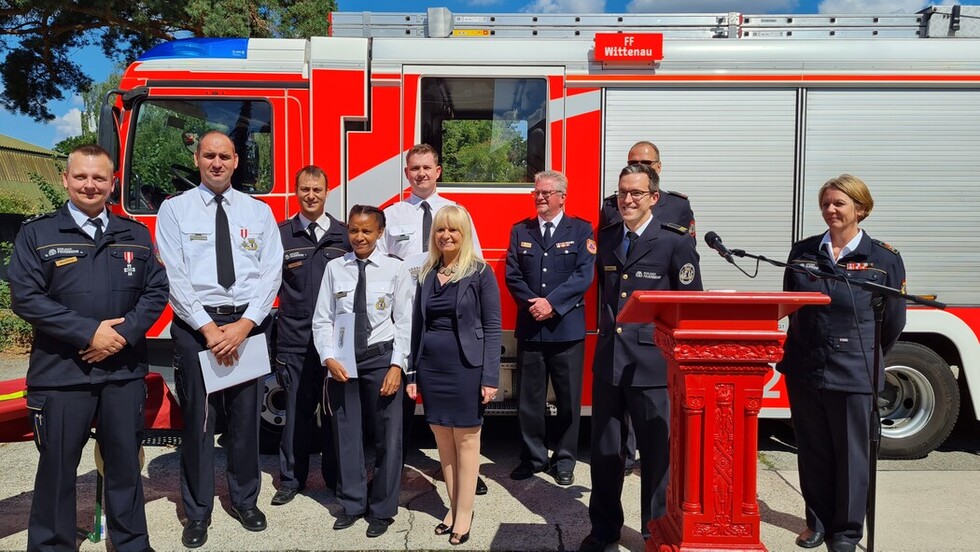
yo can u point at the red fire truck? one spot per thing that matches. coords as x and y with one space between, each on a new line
751 113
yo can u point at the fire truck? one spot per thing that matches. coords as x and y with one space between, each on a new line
752 113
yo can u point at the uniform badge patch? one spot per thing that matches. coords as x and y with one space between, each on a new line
66 261
414 271
382 304
340 295
248 244
686 274
590 246
648 275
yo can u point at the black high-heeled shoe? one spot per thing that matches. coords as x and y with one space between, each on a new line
456 539
442 529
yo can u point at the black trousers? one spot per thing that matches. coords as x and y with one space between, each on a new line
302 377
62 419
561 362
240 406
832 434
354 403
649 411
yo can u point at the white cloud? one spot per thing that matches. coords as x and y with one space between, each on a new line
711 6
881 6
68 125
565 6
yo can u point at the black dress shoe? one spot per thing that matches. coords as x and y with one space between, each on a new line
251 519
525 471
378 526
809 539
591 543
841 546
481 486
564 478
344 521
195 533
284 495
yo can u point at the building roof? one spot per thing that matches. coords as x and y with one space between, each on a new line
9 143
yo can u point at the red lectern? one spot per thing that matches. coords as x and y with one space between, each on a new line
718 347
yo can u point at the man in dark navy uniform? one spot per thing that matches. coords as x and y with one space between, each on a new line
550 266
629 372
672 207
89 283
309 240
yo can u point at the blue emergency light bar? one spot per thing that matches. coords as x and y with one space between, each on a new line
215 48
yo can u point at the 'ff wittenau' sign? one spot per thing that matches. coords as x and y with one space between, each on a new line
629 47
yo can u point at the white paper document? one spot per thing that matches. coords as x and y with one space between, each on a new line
343 343
253 362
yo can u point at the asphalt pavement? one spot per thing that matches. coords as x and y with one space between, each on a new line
922 505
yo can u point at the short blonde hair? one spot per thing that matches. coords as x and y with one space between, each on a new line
854 188
467 262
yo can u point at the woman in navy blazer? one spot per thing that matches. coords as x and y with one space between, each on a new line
456 355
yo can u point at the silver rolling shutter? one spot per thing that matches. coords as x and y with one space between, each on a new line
919 153
731 152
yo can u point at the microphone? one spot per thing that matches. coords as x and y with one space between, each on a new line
714 242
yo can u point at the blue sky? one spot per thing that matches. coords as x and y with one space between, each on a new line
68 112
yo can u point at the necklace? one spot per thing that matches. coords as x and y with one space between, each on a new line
447 270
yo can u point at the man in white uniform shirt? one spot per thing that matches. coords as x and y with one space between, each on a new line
409 223
223 256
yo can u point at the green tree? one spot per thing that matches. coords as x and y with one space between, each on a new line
39 37
483 151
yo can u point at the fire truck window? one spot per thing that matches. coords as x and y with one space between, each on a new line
487 130
164 139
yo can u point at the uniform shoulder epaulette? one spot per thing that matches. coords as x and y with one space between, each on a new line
393 256
676 194
573 217
884 245
682 230
610 225
523 221
39 217
131 219
286 222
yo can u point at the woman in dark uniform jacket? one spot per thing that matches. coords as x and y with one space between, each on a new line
456 354
828 360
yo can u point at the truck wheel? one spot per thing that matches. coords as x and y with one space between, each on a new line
920 403
272 416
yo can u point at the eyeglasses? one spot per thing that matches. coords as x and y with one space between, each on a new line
646 162
637 195
544 194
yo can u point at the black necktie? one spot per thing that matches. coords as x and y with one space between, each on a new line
361 327
312 230
630 242
222 245
548 226
426 224
97 223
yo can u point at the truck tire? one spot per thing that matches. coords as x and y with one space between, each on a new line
920 403
272 416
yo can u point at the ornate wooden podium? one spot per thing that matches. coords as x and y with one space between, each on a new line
718 347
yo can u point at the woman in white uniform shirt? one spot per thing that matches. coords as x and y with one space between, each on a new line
383 288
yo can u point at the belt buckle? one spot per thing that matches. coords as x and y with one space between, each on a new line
226 309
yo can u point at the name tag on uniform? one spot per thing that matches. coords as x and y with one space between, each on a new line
66 261
294 265
402 237
610 268
199 237
526 244
339 294
647 275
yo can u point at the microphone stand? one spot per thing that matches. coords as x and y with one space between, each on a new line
878 295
